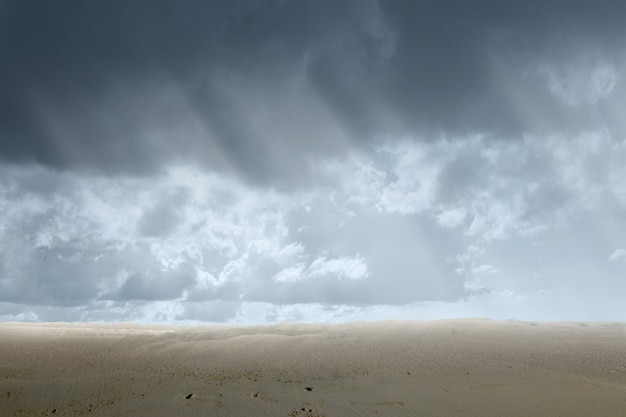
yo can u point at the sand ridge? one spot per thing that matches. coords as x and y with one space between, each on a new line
470 367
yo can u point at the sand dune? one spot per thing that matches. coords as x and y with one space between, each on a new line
439 368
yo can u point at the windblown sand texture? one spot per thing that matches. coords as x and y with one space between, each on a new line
439 368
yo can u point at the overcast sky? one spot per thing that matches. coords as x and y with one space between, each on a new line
257 161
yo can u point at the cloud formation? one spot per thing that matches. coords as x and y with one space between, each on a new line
516 220
262 90
253 161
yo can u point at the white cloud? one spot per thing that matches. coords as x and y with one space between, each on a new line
484 269
344 267
617 255
291 274
337 268
414 189
451 218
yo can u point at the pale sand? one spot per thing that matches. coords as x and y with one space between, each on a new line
440 368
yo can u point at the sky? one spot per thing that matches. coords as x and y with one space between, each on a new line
257 161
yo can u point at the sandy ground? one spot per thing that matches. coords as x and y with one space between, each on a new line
439 368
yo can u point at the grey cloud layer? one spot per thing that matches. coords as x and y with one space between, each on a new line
261 90
236 159
538 220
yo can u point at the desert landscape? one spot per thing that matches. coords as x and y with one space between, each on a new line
470 367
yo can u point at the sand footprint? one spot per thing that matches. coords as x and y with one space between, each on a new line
305 411
259 396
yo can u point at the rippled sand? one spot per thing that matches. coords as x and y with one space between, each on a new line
439 368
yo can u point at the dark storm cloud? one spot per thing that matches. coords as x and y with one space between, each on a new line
127 86
260 89
442 71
